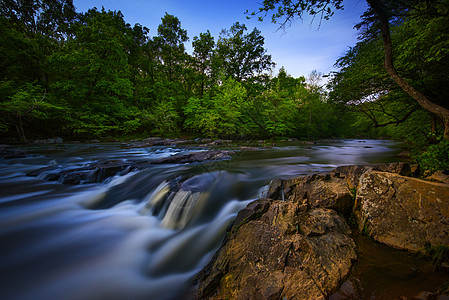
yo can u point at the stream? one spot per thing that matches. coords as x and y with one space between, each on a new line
145 234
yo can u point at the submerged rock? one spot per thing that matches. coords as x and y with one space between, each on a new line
278 249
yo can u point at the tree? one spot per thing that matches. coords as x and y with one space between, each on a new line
93 74
170 41
203 52
30 31
242 55
378 19
37 27
384 24
223 115
281 105
27 103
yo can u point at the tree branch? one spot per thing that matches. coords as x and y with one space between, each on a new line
379 8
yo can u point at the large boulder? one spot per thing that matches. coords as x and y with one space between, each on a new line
352 174
317 190
276 250
403 212
334 190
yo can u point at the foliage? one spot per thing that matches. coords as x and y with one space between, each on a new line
435 157
439 254
220 116
93 74
242 55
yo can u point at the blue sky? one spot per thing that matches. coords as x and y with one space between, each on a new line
301 48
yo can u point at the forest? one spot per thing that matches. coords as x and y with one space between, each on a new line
93 75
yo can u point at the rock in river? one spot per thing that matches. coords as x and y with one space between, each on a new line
100 171
403 212
278 249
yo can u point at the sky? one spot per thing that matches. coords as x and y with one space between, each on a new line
300 48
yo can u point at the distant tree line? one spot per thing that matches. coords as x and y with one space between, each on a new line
86 75
93 75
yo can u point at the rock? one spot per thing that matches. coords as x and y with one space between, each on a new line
335 190
154 141
102 170
317 190
247 148
405 154
277 250
403 212
400 168
57 140
9 153
106 169
352 174
195 157
415 170
440 176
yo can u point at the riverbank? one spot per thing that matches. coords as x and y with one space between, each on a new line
298 242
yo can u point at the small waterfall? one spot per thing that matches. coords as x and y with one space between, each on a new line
182 209
176 203
155 200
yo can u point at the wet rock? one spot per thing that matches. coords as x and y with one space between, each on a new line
280 251
403 212
106 169
400 168
247 148
317 190
56 140
100 171
155 141
8 153
195 157
40 171
351 174
334 190
405 154
440 176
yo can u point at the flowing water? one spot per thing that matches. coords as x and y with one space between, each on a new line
142 235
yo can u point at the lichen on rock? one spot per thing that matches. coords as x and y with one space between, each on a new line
403 212
286 251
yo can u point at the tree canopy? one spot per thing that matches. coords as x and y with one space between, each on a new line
85 75
417 26
94 75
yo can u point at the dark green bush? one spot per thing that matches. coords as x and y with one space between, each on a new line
435 157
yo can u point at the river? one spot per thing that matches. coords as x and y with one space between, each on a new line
142 235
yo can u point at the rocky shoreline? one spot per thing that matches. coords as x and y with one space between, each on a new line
297 244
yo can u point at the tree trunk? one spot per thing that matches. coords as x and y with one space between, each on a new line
19 129
379 7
